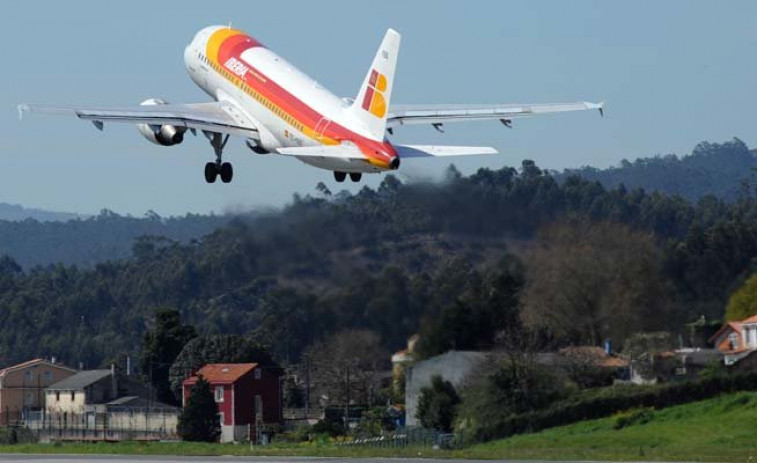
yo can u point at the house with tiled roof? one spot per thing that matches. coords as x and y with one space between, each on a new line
736 339
22 388
248 396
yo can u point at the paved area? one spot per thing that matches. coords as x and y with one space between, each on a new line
7 458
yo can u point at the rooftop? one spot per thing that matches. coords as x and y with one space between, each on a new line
222 372
80 380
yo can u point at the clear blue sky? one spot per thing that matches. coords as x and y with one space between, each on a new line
673 73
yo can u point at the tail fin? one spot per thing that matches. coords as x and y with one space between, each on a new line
372 102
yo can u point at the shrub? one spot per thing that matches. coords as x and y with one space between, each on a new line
437 405
632 417
329 428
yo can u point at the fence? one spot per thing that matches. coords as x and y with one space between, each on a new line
115 424
405 437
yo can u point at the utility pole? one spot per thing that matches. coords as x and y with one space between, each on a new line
307 386
347 402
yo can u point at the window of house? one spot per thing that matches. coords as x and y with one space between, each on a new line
73 394
258 408
219 393
57 396
48 376
220 419
258 374
733 340
28 376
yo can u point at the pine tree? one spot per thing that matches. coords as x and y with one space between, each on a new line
198 421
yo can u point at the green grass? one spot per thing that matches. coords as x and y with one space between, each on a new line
719 429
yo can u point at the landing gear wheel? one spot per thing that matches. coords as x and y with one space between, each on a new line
355 176
211 172
340 176
226 172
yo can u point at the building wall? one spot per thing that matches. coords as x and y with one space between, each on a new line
723 343
24 387
454 366
57 402
268 388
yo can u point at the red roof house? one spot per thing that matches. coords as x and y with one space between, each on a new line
248 397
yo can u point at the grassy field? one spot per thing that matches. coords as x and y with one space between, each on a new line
720 429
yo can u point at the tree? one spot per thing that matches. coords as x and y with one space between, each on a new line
588 281
743 302
161 346
346 367
216 349
198 421
510 381
437 405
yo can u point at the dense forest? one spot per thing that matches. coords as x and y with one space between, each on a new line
461 262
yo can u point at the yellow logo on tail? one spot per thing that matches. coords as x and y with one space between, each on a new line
374 101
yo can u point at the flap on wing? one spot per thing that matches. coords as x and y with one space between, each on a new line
422 151
425 114
220 117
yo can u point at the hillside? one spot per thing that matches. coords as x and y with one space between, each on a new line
710 169
88 241
720 429
15 213
34 237
393 260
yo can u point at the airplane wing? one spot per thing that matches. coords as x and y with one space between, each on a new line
439 114
218 117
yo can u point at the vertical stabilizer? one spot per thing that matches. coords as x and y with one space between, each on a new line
372 102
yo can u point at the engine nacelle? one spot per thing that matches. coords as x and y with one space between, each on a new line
164 135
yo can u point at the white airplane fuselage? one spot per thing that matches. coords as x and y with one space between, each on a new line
288 108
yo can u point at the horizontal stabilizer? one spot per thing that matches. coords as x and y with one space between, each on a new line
424 151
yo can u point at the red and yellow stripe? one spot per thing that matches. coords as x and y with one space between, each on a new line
226 43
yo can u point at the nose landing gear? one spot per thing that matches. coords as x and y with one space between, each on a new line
218 168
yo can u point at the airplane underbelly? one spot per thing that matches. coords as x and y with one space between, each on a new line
341 165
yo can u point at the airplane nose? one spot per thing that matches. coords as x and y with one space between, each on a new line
394 164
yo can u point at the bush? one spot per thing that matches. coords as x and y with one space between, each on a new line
504 388
632 417
329 428
437 405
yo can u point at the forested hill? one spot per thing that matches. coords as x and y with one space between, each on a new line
88 241
436 258
716 169
15 212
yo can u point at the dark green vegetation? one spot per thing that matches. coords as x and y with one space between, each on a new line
447 260
198 421
436 405
711 169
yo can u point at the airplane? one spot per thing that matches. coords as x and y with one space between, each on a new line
276 108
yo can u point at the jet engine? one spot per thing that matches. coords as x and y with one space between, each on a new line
164 135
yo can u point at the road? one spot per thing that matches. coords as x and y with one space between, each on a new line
169 459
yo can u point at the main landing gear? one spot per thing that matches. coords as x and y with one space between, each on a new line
341 176
218 168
